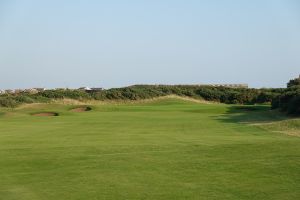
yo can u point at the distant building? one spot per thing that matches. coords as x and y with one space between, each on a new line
224 85
40 89
18 91
8 91
211 85
96 89
230 85
87 89
31 91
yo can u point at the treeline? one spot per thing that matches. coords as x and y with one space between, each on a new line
139 92
285 99
289 100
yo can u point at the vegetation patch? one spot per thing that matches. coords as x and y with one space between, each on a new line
289 100
288 126
144 92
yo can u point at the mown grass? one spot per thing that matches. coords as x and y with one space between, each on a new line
165 149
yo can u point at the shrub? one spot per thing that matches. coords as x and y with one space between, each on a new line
294 105
24 99
8 102
288 101
136 92
294 82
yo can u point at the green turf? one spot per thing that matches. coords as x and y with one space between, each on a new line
167 149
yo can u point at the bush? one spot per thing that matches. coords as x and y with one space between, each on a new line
8 102
137 92
294 106
294 82
24 99
288 101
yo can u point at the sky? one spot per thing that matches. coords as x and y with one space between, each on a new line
116 43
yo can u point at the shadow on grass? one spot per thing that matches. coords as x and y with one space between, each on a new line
251 114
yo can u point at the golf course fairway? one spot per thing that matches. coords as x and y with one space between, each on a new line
164 149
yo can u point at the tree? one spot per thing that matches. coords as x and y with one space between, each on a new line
294 82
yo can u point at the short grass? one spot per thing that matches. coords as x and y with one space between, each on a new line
165 149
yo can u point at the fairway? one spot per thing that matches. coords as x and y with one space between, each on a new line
164 149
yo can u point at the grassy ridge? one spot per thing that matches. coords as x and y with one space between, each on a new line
142 92
165 149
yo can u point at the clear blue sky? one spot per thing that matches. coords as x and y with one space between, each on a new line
115 43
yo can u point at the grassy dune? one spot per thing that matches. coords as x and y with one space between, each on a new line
164 149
